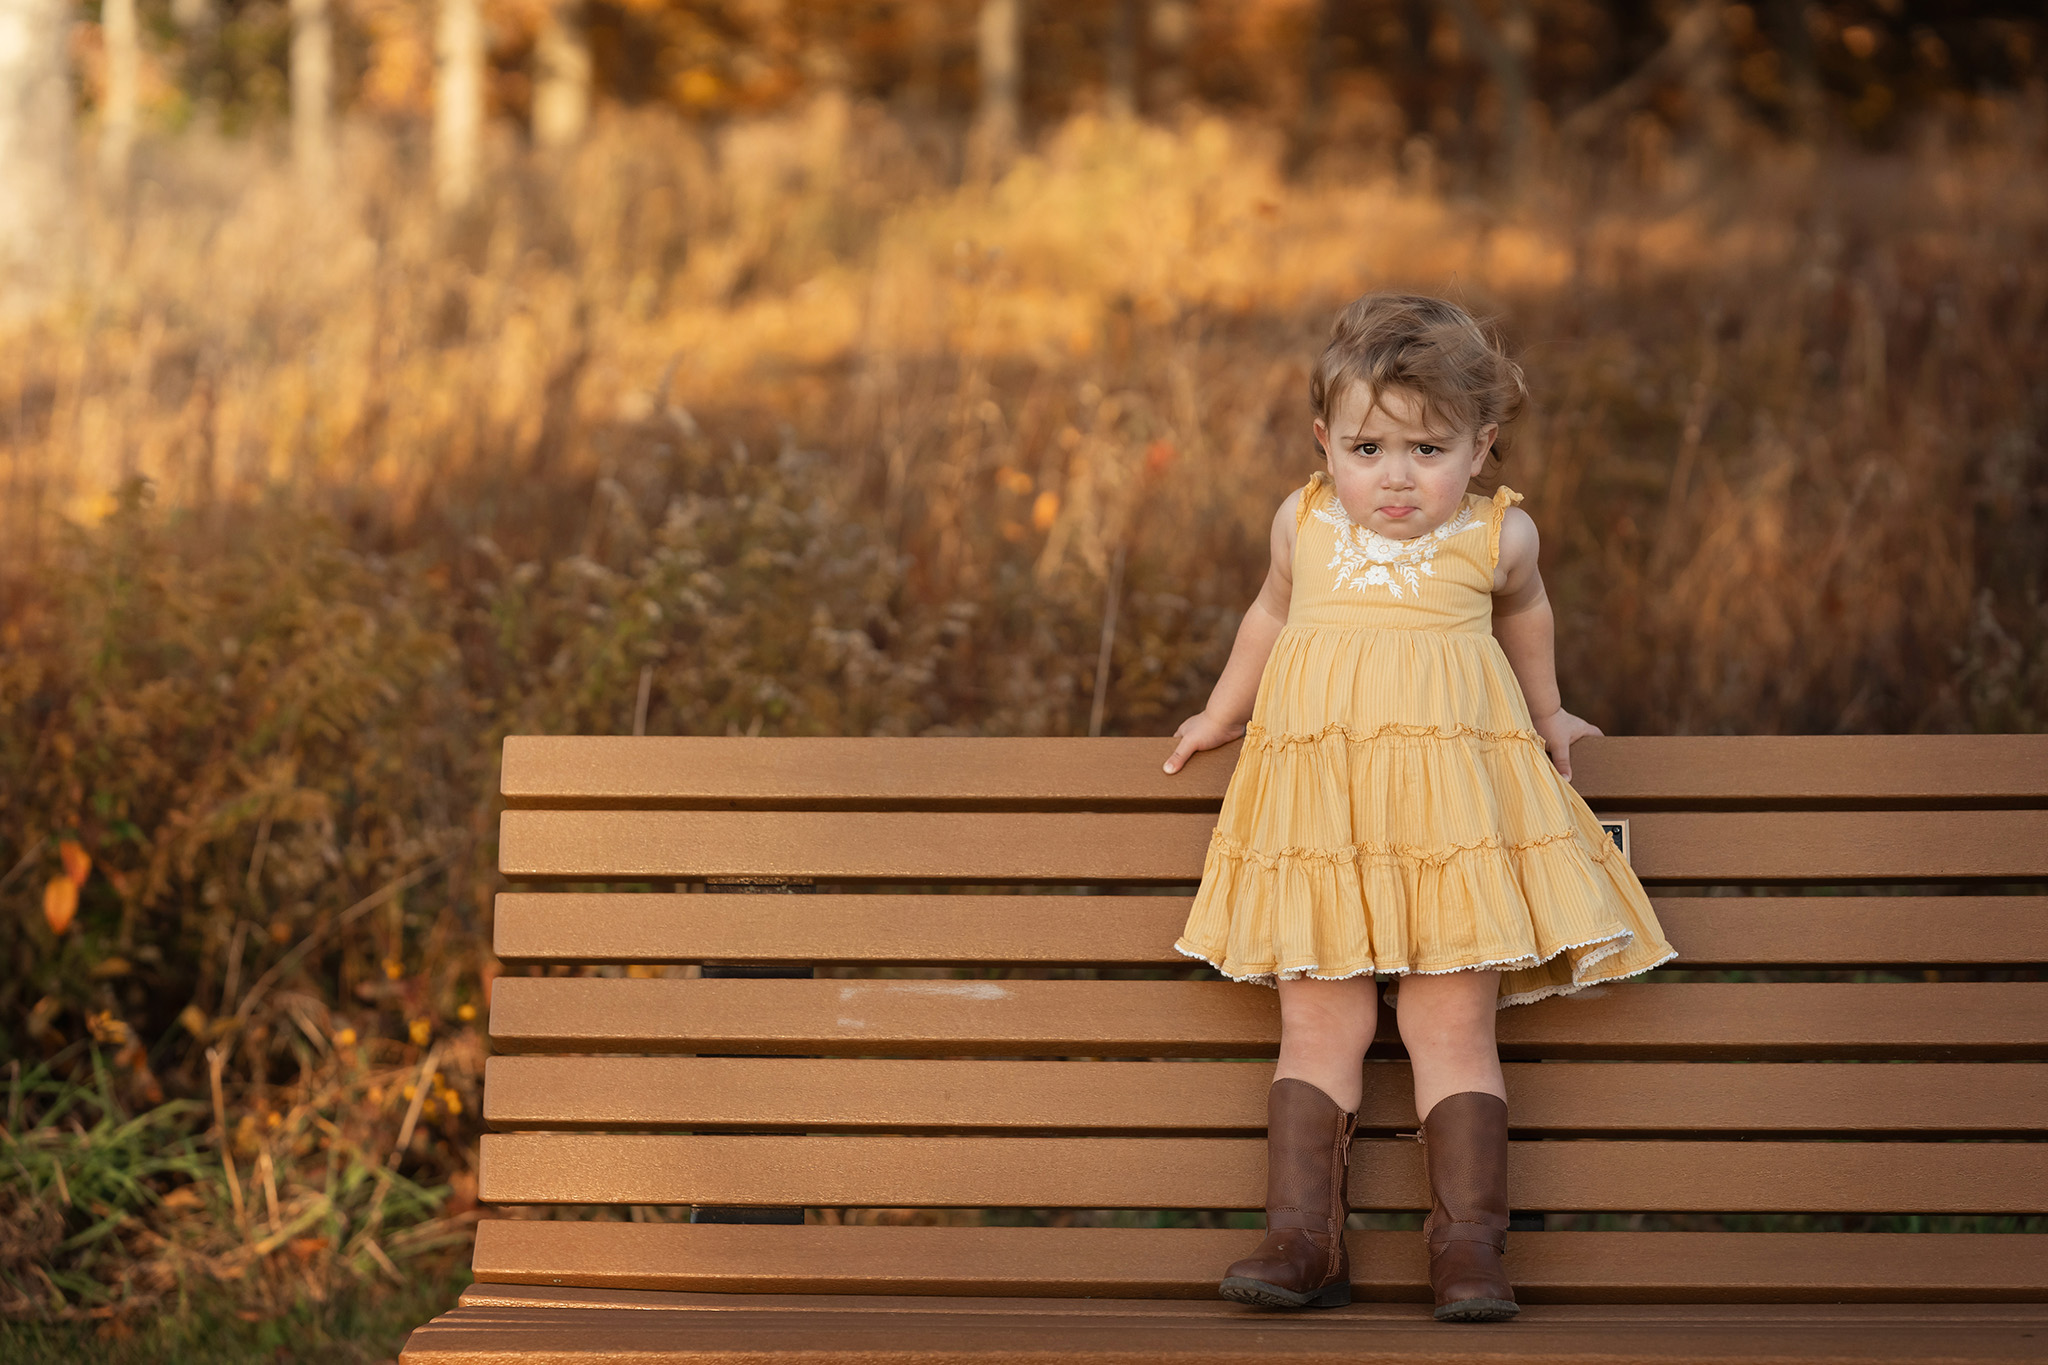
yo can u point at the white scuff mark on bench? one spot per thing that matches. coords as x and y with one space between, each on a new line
844 1022
964 990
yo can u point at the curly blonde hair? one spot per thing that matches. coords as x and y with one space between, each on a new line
1457 369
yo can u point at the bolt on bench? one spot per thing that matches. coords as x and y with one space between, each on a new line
1012 1090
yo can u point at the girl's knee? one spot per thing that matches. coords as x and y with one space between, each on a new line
1333 1014
1452 1010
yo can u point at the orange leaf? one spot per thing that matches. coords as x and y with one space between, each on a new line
77 862
108 1029
60 903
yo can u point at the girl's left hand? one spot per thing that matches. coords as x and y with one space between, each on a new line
1559 729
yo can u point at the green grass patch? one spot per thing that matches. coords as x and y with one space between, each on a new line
358 1326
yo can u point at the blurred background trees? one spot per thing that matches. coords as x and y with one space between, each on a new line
1488 83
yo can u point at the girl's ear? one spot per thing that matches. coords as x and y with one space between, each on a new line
1483 445
1323 437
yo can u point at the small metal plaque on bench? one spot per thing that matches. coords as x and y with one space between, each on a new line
1617 830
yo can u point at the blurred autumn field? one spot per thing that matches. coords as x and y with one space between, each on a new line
787 429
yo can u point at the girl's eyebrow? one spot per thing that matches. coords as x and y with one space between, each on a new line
1360 437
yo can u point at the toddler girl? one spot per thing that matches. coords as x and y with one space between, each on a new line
1393 811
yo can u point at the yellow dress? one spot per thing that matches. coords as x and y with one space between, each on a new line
1393 809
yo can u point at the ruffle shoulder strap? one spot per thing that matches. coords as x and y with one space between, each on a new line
1503 498
1310 492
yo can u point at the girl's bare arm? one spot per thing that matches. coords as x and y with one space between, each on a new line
1230 704
1527 631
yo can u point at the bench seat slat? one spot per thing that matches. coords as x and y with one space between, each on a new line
562 770
1124 1331
1037 846
1229 1173
1549 1267
696 1305
685 1305
593 1093
1132 931
871 1017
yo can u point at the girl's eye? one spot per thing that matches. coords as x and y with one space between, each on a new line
1427 450
1368 448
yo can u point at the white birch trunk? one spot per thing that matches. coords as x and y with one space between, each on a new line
458 101
35 133
123 37
561 77
312 92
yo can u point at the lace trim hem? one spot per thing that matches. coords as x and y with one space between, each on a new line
1574 986
1264 738
1610 945
1223 844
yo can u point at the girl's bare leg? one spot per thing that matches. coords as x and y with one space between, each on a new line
1325 1028
1447 1025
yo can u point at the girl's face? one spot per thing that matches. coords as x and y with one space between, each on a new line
1393 474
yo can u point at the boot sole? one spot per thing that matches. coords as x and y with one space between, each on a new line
1478 1310
1273 1296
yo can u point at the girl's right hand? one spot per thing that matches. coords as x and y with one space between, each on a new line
1199 732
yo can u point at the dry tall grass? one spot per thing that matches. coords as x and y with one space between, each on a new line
308 504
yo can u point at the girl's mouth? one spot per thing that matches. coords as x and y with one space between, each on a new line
1396 512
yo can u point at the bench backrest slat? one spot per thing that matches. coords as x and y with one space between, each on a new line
881 929
1705 1020
1560 1098
1150 847
1228 1173
556 772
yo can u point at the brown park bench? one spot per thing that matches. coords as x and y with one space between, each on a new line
1856 1078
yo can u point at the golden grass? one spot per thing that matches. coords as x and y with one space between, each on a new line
308 504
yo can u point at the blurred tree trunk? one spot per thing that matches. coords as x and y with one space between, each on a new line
1168 27
1707 92
1506 51
123 38
1416 87
458 101
1787 26
1315 91
312 87
1123 59
199 21
561 76
35 133
1000 40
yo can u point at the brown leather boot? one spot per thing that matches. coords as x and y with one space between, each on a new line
1465 1144
1302 1263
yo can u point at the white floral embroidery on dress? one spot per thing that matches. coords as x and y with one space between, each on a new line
1365 559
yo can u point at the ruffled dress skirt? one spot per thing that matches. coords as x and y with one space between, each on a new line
1393 811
